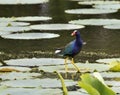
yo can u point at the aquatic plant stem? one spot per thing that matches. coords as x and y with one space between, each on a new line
65 91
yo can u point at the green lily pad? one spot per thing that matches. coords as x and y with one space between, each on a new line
98 2
44 83
12 68
83 68
108 6
97 22
30 91
16 2
8 24
56 27
108 60
30 36
117 26
89 11
35 61
32 18
18 75
110 74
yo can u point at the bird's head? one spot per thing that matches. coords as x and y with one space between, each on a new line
75 33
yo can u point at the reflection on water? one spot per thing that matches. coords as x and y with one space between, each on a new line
100 42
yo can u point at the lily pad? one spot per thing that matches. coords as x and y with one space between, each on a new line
30 36
108 60
35 61
110 74
98 2
16 2
56 27
83 68
97 22
44 83
14 29
12 68
30 91
89 11
113 83
6 19
117 26
116 89
76 93
32 18
7 24
108 6
18 75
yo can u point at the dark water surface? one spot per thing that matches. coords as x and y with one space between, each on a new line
101 43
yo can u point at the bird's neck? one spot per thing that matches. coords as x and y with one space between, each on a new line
78 39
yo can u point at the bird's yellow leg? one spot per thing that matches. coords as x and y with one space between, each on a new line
75 65
66 67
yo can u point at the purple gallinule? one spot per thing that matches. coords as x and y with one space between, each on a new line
71 49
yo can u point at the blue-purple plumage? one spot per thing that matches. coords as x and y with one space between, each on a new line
74 47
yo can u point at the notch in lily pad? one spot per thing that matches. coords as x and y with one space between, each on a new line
56 27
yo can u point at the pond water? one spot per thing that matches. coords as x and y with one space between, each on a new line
101 42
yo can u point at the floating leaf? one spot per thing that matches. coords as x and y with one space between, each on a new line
7 19
13 29
116 89
89 11
56 27
7 24
16 2
30 36
30 91
83 68
18 75
44 83
98 2
32 18
94 86
76 93
117 26
108 6
97 22
35 61
108 60
110 74
11 68
113 83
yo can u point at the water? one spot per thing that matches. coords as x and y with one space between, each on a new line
101 43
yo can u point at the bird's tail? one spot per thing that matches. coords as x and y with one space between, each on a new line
58 51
